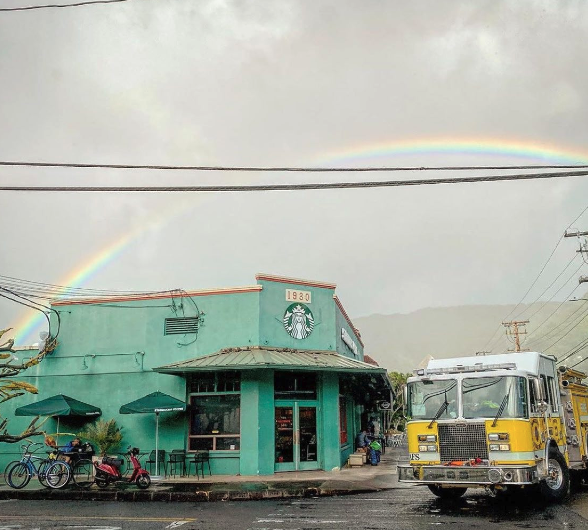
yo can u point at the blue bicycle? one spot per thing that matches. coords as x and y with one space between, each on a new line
52 473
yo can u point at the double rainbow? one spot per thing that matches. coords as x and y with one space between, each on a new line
533 152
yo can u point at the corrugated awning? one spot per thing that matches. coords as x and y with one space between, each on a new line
249 358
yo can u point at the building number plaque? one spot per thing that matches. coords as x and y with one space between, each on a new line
294 295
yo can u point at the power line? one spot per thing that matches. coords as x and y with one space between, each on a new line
298 187
554 311
53 6
584 315
275 169
552 330
556 292
547 289
491 339
35 288
575 349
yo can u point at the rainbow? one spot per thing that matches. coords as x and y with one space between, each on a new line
535 152
88 269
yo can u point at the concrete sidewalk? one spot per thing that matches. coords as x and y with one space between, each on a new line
227 487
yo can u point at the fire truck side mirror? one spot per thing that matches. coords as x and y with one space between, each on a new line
404 399
538 390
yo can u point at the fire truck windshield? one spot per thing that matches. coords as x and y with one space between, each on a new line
482 397
428 397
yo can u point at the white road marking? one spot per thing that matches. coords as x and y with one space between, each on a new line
175 524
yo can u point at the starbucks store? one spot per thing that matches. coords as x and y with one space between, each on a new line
273 374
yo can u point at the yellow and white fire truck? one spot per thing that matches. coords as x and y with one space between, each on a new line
498 422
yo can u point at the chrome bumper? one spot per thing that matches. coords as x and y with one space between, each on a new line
480 475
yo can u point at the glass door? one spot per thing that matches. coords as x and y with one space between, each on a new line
296 437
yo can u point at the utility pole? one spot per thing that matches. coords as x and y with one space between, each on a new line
577 233
515 331
583 247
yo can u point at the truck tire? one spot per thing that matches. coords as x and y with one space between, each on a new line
557 484
446 493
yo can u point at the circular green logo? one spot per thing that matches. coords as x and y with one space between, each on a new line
298 321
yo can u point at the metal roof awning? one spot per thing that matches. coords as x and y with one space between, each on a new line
255 357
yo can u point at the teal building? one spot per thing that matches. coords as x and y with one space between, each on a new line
273 373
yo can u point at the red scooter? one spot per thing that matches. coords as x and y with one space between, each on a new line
109 471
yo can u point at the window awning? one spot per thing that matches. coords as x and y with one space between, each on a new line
249 358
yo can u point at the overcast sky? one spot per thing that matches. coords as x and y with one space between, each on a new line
300 83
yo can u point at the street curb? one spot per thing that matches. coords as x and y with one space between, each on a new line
154 495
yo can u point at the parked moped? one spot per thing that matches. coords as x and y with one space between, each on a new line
108 471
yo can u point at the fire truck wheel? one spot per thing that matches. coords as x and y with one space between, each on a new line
446 493
555 487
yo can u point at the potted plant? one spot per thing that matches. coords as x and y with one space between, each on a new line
106 435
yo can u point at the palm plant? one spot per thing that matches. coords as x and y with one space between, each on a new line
105 434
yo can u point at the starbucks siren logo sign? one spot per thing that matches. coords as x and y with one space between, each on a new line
298 321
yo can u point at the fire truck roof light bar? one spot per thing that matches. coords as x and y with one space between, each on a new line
461 368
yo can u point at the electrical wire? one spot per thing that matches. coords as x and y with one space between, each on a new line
578 347
37 289
555 293
300 186
52 6
584 315
518 315
554 311
552 330
38 308
275 169
491 339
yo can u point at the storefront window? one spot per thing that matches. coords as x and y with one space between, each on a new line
215 422
292 385
208 382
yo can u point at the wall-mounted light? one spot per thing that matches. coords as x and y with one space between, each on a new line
139 355
84 364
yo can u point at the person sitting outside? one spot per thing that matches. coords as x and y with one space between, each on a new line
74 446
361 440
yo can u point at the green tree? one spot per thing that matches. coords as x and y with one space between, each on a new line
10 389
105 434
396 419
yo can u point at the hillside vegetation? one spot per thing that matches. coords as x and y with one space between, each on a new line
399 342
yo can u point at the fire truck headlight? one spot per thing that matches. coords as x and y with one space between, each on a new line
499 447
427 438
422 448
431 448
498 436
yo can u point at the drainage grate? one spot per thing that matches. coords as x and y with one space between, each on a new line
181 326
462 442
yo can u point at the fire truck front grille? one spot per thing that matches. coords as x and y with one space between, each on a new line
462 442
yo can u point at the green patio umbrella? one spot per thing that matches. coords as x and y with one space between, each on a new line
154 403
58 405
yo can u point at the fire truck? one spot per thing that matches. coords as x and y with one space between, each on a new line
500 422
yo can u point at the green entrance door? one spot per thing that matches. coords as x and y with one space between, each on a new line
296 437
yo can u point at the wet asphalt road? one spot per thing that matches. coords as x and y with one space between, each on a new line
406 508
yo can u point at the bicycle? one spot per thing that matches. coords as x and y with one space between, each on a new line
52 473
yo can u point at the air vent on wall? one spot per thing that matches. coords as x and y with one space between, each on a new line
181 326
